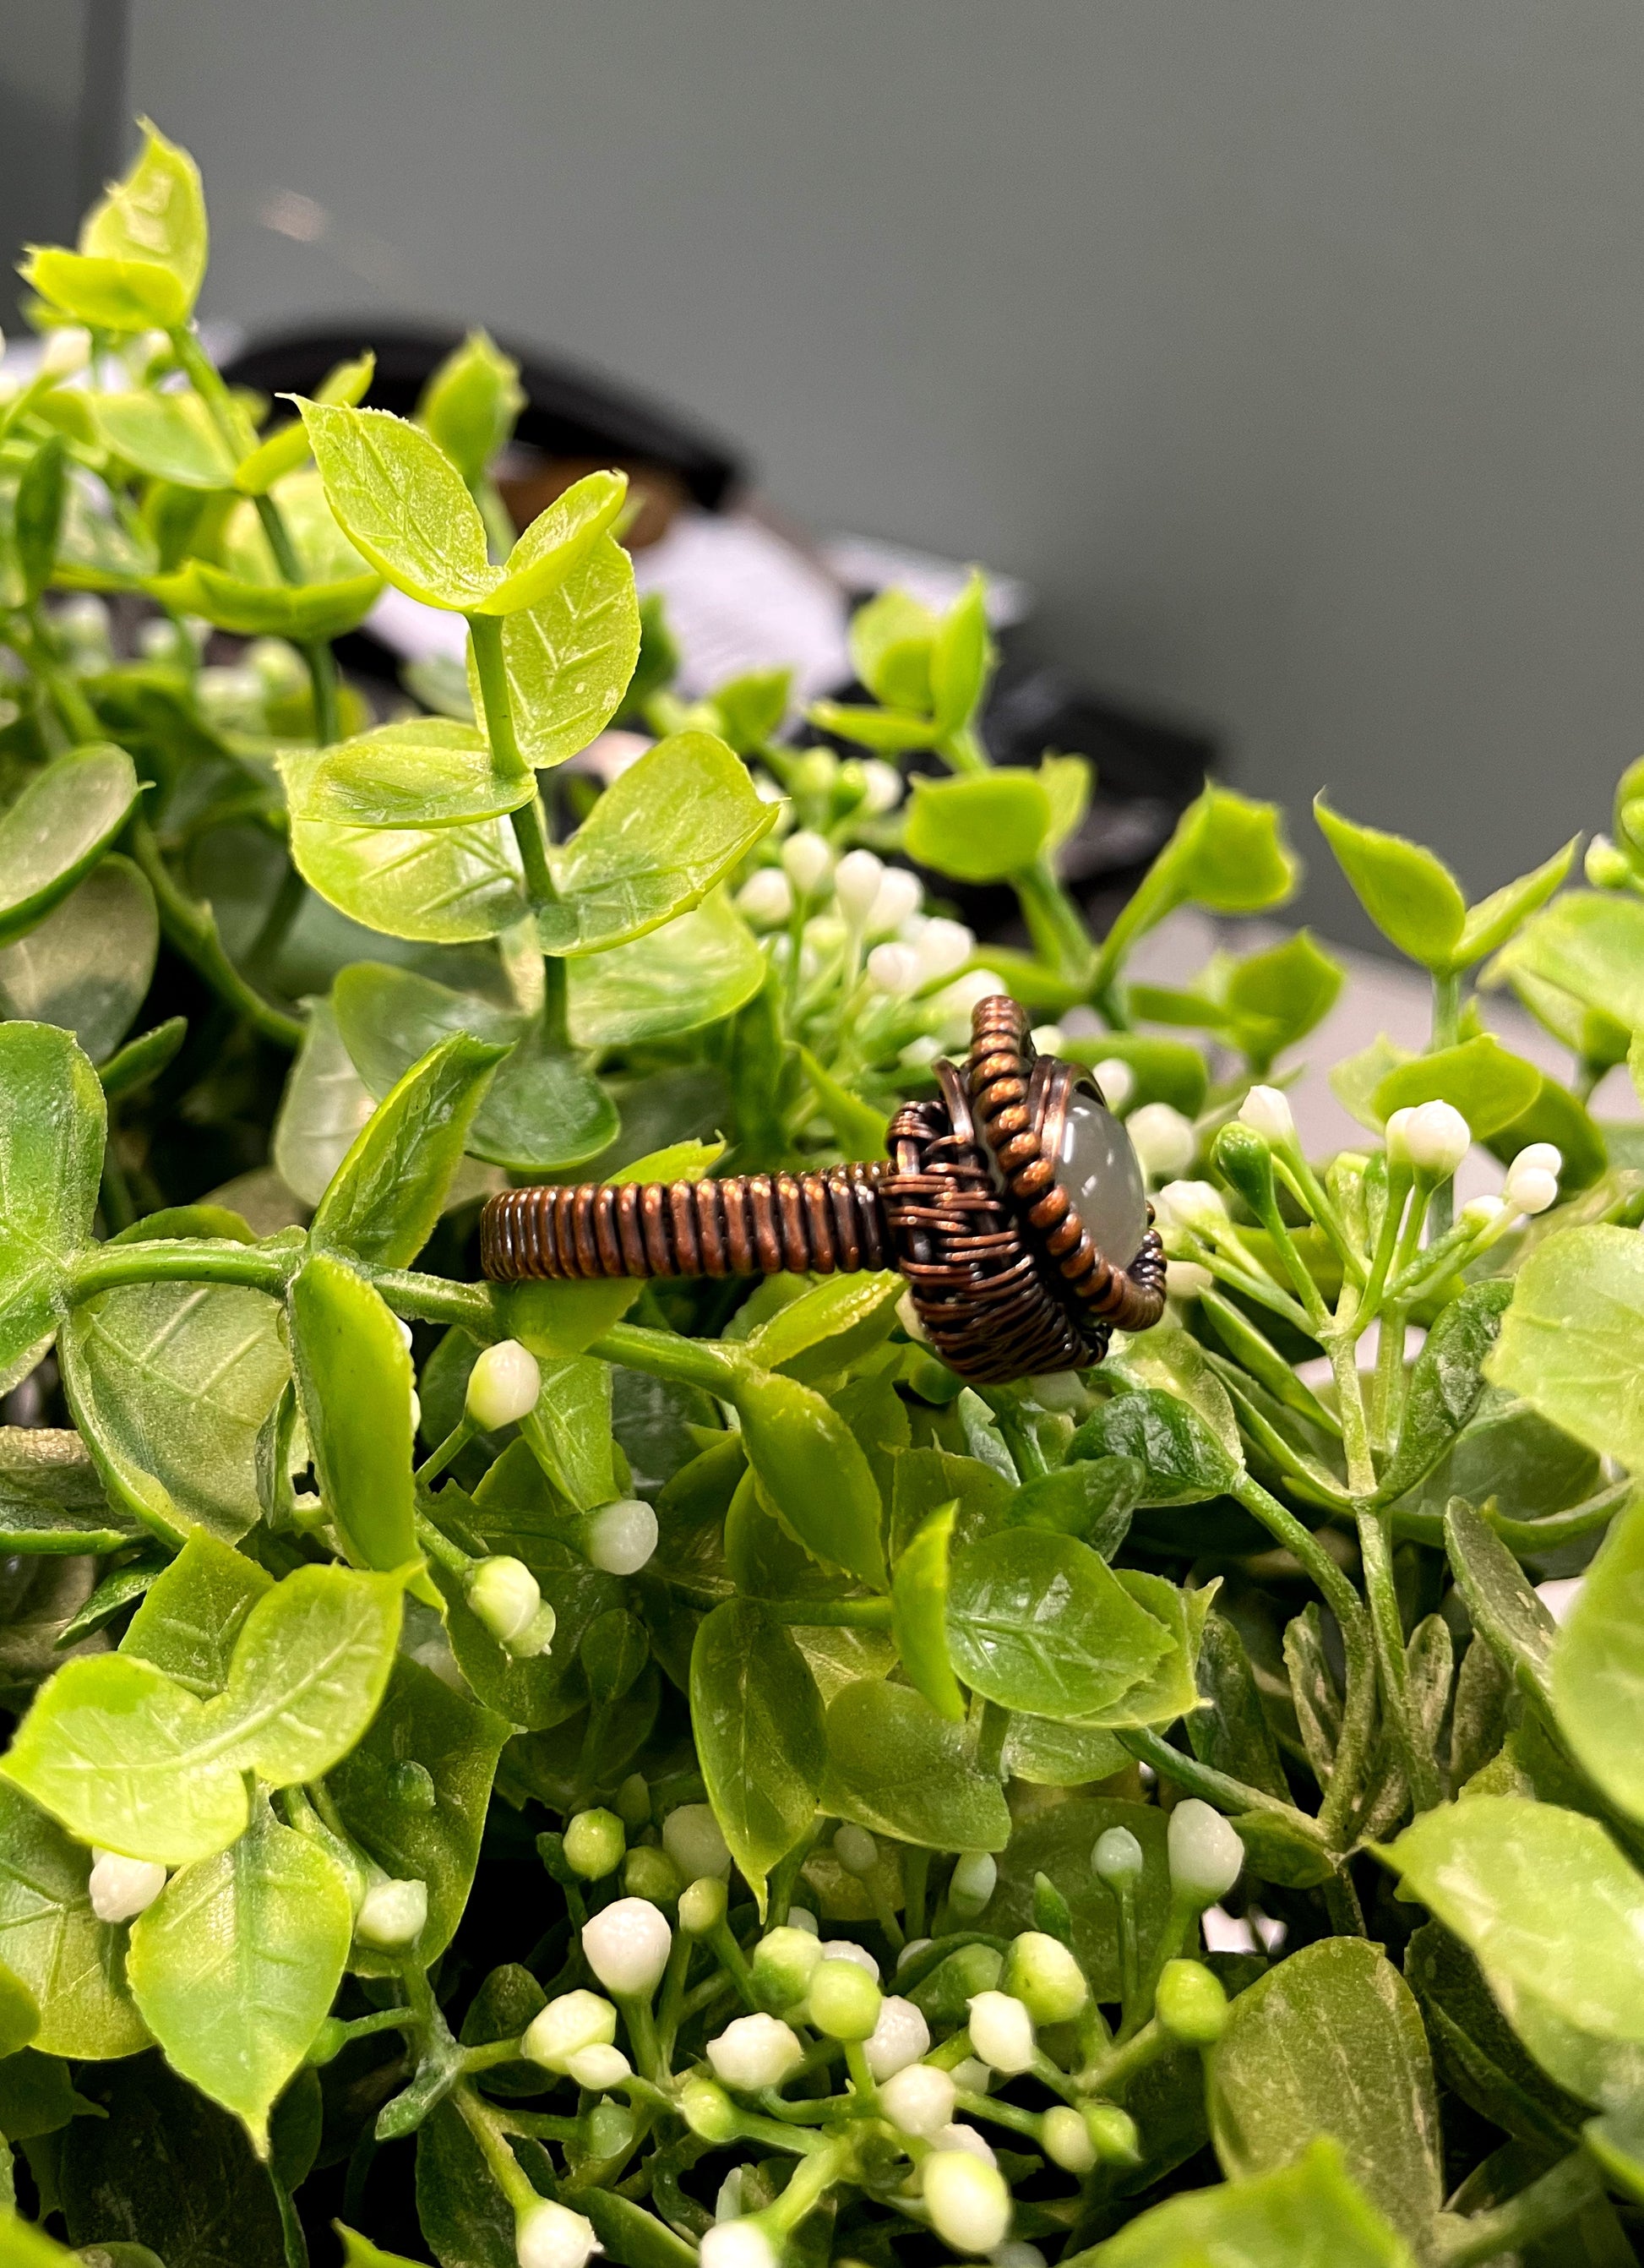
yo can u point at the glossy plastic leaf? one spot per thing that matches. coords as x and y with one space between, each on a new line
439 886
354 1383
246 608
556 543
1445 1384
470 402
1038 1622
569 658
891 638
1184 1460
89 964
1411 896
980 826
1494 919
170 437
402 504
757 1718
143 248
1571 1343
919 1609
814 1470
235 1965
695 971
897 1767
569 1431
1169 1689
1588 944
192 1614
1505 1610
1558 1116
391 1189
660 838
325 1106
429 772
1598 1668
51 1496
1308 2215
1331 2042
58 828
73 1964
1489 1085
52 1122
284 449
834 1312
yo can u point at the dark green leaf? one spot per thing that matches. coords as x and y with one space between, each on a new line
897 1768
757 1718
1505 1610
1445 1384
1184 1461
51 1496
74 1965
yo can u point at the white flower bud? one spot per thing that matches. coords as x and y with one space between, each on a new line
1606 868
783 1962
595 1843
503 1385
766 898
626 1946
856 881
1433 1136
944 947
392 1913
1067 2140
1206 1854
1198 1205
1059 1389
1048 1039
549 2235
974 2145
899 2038
1116 1079
844 2000
1045 1976
121 1889
701 1904
1002 2031
1117 1857
597 2068
1014 2254
1185 1279
737 2244
972 1883
570 2022
691 1837
894 968
802 1917
68 348
1266 1111
808 861
620 1536
728 2202
504 1594
955 1003
754 2051
1532 1179
899 900
1482 1213
855 1850
919 2099
969 2202
843 1948
972 2076
1165 1141
881 786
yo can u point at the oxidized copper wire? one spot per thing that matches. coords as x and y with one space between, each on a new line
1004 1276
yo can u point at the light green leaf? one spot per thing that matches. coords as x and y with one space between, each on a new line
89 964
1164 1071
814 1470
1355 1078
695 971
250 608
1038 1622
1572 1344
402 504
323 551
556 543
284 448
666 831
192 1614
58 828
897 1767
979 826
52 1122
961 655
1169 1689
757 1718
890 641
1598 1666
1555 1916
835 1310
470 403
1445 1384
235 1965
1588 944
569 658
427 772
1494 919
440 885
919 1616
1488 1084
74 1965
1275 997
389 1191
1331 2043
1411 896
156 212
1308 2215
569 1431
113 295
51 1496
891 732
1184 1461
1227 854
859 1130
170 437
325 1106
354 1383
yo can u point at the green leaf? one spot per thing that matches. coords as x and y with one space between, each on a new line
143 246
891 732
87 967
37 516
1598 1668
1169 1689
1227 854
1232 1734
1277 996
319 609
389 1191
1331 2043
1445 1384
557 542
835 1313
427 772
700 967
141 1060
1047 1754
171 1385
1476 2050
359 2252
325 1107
757 1718
1058 1842
899 1768
1570 1343
73 1964
58 828
1091 1498
1307 2215
128 1759
402 504
961 656
1164 1071
813 1469
456 1743
235 1965
284 448
51 1496
1411 896
1038 1622
470 403
890 641
354 1383
569 658
1588 945
440 885
1494 919
191 1617
465 2219
1184 1461
1556 1116
919 1616
1555 1916
1488 1084
569 1432
114 295
660 838
36 2096
1505 1612
52 1120
170 437
859 1130
980 827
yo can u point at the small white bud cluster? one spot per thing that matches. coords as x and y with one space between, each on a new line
549 2235
919 2099
576 2034
1205 1855
619 1537
898 2039
121 1889
755 2052
502 1386
1165 1141
881 786
505 1596
392 1913
1532 1179
1432 1137
627 1944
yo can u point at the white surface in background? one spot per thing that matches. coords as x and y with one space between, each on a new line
741 597
862 562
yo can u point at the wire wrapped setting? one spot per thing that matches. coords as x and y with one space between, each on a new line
1004 1276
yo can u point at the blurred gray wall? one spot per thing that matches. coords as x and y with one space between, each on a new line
1295 352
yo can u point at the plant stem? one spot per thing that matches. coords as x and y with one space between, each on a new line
687 1362
1564 2190
486 631
1016 1431
191 929
1218 1788
110 1265
486 2126
440 1549
322 663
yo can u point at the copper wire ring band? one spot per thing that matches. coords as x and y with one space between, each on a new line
1004 1276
